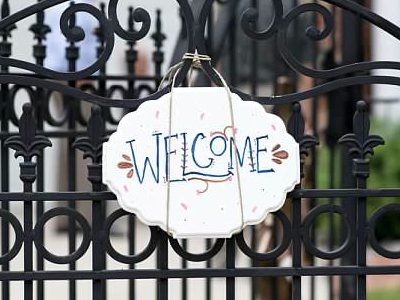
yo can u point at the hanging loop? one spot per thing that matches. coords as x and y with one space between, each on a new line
172 74
173 71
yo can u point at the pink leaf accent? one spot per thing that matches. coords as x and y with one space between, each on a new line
157 114
254 209
273 127
202 116
184 206
126 157
126 188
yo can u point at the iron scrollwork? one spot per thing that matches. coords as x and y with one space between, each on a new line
195 30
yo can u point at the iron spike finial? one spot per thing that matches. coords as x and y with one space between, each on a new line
5 9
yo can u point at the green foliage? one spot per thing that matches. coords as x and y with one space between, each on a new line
384 294
385 173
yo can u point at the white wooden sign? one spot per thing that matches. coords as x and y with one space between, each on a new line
196 191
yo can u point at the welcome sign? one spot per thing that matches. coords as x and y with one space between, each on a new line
192 170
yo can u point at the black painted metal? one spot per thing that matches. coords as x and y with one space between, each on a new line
197 34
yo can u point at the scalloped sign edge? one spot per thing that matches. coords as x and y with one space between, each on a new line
121 191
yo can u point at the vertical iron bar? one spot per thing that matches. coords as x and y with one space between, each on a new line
72 55
98 289
332 170
158 58
230 264
253 291
361 239
209 42
131 234
184 266
40 31
296 129
97 186
274 280
40 188
131 57
162 264
95 138
347 283
296 246
158 55
232 49
208 265
275 73
71 187
28 243
331 220
352 53
314 153
5 51
254 57
98 258
361 169
5 165
210 24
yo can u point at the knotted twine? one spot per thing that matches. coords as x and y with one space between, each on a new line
171 75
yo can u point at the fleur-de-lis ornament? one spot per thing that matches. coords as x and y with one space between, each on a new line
92 145
360 142
5 12
158 36
295 127
27 144
40 29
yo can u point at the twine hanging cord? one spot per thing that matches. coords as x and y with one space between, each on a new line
173 71
171 75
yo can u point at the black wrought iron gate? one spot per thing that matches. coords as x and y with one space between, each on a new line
292 230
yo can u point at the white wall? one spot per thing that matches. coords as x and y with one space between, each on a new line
386 47
22 37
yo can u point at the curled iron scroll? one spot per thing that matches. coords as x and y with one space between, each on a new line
74 33
195 31
109 26
279 26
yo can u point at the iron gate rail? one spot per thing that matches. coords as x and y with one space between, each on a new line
32 139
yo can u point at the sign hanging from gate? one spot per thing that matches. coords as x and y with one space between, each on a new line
203 165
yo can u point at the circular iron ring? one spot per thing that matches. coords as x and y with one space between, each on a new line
19 236
210 253
371 230
309 220
39 229
278 250
128 259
